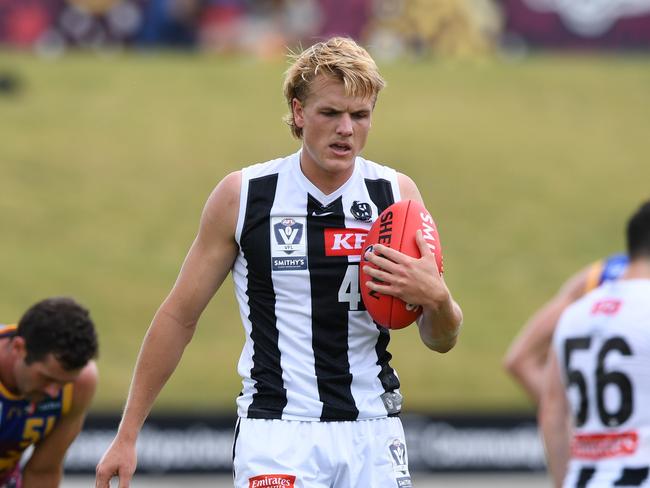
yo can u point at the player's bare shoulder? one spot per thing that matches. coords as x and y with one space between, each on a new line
84 387
226 193
408 189
222 208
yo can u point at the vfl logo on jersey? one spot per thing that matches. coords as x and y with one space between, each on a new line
288 246
272 481
606 307
288 234
344 242
361 211
398 453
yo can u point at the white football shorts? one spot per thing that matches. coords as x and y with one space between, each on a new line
307 454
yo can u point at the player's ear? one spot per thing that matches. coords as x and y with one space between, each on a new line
298 114
18 347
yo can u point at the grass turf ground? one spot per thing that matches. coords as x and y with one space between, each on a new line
530 169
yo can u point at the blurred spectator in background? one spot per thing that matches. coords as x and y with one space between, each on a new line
220 25
263 27
51 26
260 27
345 17
23 22
440 27
388 27
170 23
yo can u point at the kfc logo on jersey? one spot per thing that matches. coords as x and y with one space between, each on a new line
344 242
272 481
606 307
361 211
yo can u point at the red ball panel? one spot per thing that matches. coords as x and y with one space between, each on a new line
396 228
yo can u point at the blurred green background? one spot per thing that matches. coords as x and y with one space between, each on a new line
530 167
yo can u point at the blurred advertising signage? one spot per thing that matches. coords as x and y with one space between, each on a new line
203 444
459 443
617 24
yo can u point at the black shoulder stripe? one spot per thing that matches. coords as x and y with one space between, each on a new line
381 193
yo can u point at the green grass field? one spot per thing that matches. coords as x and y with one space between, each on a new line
530 169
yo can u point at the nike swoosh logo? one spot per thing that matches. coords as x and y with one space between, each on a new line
320 214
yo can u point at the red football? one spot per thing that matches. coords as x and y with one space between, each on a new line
395 228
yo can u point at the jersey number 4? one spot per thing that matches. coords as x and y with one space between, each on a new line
603 379
349 291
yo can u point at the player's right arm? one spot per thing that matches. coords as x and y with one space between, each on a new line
526 357
554 421
206 265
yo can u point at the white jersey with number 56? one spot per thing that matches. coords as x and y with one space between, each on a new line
603 346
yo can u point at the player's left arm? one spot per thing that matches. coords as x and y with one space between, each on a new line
418 281
554 420
45 467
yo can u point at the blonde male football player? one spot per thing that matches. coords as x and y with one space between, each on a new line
319 404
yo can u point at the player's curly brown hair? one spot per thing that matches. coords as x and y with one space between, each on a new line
339 57
59 326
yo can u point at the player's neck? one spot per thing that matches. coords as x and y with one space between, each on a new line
638 269
326 180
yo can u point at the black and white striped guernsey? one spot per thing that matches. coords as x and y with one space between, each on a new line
312 352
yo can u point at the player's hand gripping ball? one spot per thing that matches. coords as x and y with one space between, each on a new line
396 228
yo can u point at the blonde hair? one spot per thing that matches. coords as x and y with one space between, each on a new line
340 58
